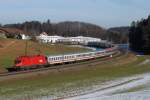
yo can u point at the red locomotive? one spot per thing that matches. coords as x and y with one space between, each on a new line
25 62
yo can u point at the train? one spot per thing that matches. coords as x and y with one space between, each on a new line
38 61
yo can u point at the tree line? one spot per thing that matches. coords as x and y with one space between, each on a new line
139 36
67 28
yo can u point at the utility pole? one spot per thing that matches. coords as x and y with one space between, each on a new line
26 45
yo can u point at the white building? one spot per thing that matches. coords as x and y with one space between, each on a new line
55 39
84 40
2 35
25 37
48 39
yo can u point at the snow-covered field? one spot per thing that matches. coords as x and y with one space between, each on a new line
142 95
112 90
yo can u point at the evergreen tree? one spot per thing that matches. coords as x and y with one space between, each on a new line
139 36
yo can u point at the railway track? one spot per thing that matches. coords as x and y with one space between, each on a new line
70 65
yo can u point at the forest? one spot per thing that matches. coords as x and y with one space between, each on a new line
139 36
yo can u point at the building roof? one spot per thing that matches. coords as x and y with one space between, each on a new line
12 31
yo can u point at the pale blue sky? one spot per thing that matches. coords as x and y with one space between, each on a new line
106 13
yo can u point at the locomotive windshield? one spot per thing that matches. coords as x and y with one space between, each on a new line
17 61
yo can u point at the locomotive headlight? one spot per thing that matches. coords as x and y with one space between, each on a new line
40 60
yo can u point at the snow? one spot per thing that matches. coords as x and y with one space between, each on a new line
143 95
106 92
147 61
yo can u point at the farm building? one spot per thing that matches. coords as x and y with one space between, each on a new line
13 33
2 34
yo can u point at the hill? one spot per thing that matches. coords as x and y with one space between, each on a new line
73 28
79 28
67 28
122 30
118 34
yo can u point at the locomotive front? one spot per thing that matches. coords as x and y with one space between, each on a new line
30 61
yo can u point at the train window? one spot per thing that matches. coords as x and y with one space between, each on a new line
78 55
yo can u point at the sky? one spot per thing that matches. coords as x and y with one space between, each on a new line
106 13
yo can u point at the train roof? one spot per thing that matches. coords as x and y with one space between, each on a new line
65 54
72 54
